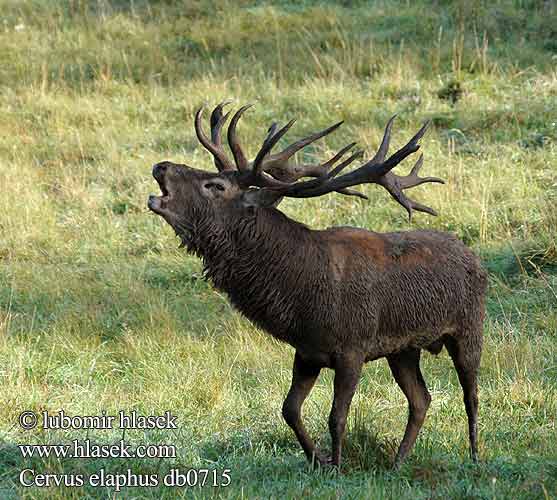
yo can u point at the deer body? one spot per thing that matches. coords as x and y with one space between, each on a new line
344 288
341 296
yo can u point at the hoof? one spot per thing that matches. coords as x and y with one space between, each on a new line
322 461
397 463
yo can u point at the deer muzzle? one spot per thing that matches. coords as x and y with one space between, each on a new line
157 203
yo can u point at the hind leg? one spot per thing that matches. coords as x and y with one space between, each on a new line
466 358
405 367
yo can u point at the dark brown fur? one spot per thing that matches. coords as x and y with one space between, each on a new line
340 297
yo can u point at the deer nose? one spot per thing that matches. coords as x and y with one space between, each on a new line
159 170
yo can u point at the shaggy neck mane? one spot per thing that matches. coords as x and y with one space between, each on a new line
260 260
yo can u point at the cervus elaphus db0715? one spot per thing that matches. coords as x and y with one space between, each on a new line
341 296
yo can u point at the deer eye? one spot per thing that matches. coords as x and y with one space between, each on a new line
216 185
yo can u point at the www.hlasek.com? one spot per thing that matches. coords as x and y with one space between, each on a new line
88 449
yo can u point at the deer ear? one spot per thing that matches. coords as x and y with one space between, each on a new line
256 198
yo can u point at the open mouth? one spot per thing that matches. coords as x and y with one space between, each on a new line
164 191
158 203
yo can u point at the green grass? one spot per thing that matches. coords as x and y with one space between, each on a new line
99 309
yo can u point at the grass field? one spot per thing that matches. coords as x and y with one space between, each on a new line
100 310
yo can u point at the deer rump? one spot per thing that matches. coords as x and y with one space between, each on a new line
341 296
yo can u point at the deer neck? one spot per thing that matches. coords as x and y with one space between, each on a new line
243 248
260 262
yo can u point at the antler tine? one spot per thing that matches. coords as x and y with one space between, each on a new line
322 171
288 152
329 163
268 144
345 163
239 157
384 147
353 192
412 179
217 122
411 147
421 208
272 129
218 153
395 184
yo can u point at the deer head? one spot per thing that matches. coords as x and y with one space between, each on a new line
192 198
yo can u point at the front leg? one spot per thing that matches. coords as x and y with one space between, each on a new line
347 374
304 376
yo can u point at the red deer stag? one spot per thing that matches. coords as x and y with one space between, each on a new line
341 296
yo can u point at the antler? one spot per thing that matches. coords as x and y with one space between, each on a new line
277 177
267 170
214 145
376 171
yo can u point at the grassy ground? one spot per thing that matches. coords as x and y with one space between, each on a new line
99 310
